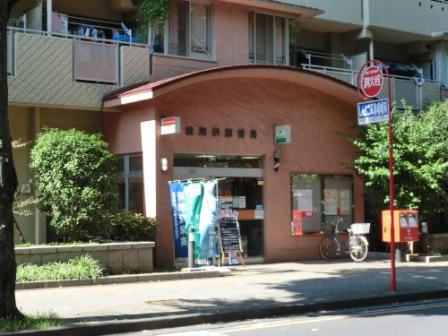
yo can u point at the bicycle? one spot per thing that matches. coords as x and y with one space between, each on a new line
331 245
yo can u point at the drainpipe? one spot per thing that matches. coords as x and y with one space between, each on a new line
49 16
371 49
37 217
366 24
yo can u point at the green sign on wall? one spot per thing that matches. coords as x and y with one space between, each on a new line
282 134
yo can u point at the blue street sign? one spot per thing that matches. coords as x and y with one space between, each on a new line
373 111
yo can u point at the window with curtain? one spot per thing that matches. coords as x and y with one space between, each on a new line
200 29
131 183
190 29
267 39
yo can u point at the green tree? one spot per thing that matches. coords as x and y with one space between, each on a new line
75 176
420 162
8 181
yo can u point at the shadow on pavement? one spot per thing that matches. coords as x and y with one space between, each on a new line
327 289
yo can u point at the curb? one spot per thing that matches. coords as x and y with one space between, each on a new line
114 327
129 278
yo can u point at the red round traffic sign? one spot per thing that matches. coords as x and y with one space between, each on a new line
371 81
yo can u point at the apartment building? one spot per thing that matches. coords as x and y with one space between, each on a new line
228 72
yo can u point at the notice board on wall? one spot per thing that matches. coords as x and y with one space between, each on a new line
229 234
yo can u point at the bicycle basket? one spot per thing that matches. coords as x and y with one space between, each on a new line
360 228
329 229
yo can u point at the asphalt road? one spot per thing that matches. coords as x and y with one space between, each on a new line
423 318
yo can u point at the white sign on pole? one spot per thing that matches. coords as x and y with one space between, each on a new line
373 111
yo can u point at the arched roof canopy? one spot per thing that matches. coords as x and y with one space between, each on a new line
328 86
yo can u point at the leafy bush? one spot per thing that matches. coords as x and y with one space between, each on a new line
78 268
132 226
75 177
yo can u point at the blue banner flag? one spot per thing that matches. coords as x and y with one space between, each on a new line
177 198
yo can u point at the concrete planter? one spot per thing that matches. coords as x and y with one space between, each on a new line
116 258
438 242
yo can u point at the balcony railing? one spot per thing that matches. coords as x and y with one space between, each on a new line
415 91
339 61
95 60
73 71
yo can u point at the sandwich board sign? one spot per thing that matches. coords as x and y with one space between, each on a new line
373 111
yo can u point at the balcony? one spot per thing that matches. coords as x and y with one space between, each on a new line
421 17
416 92
54 69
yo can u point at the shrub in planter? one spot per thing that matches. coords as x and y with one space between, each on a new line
132 226
84 267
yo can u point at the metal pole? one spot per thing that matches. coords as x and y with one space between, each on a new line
425 238
191 248
393 280
49 16
217 245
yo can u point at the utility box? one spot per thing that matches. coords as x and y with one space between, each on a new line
405 225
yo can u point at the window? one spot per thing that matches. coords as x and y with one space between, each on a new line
320 199
189 31
157 38
131 183
268 43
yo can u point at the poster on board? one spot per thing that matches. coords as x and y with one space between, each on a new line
346 204
304 198
331 202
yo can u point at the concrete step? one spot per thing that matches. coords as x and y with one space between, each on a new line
426 258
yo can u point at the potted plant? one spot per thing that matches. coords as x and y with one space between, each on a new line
152 12
158 43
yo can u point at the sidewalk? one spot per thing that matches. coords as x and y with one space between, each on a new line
251 291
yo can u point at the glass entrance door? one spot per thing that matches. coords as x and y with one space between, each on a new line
245 195
240 188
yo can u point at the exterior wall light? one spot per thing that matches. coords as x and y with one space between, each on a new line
276 156
164 164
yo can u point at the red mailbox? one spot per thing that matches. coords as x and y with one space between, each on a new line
405 225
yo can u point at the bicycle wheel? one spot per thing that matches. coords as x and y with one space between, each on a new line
328 248
358 248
